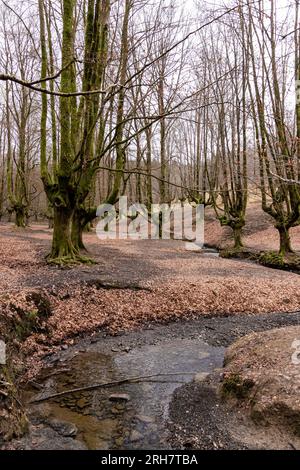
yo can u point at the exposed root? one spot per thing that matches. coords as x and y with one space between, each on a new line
86 260
69 260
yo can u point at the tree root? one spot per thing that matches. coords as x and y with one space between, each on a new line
69 260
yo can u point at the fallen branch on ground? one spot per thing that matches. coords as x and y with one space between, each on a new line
108 384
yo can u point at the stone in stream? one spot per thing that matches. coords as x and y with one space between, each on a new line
82 403
116 411
145 419
63 428
135 436
120 406
119 397
119 441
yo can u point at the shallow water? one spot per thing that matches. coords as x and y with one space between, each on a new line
138 420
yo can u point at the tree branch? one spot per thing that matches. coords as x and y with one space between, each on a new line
109 384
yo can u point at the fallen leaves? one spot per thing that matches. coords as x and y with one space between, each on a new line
173 284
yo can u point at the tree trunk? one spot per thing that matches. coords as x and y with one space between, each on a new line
149 198
20 216
77 231
63 250
163 157
237 236
285 241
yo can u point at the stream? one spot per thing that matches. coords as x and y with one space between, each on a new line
127 416
141 414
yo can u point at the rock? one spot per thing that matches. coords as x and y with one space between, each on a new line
63 428
119 397
119 441
135 436
203 354
115 410
200 376
120 406
64 347
82 403
145 419
49 439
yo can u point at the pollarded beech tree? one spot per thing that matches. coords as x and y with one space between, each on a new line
18 113
231 148
69 182
277 136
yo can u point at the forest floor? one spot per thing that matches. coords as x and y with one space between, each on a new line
137 282
259 233
140 284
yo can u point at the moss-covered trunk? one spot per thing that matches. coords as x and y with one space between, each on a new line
237 236
63 249
285 240
69 179
82 219
77 232
236 223
20 216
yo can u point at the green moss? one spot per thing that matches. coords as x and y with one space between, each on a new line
229 252
234 386
18 326
42 304
289 261
272 259
26 325
223 220
26 322
13 420
239 252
